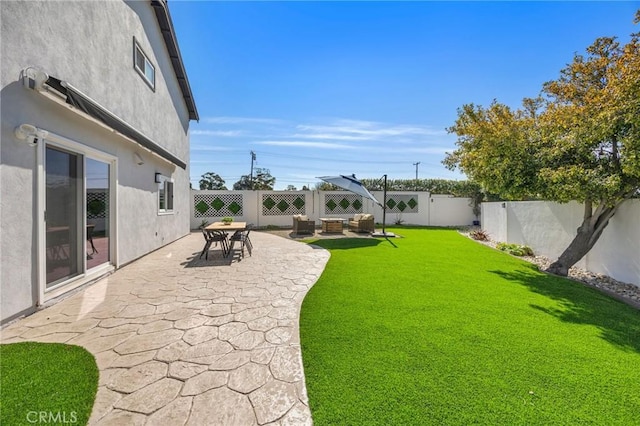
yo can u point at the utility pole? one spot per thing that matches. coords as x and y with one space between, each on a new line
253 158
416 164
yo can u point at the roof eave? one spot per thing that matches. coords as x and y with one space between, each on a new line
170 40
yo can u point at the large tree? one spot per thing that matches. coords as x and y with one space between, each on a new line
262 181
579 140
212 180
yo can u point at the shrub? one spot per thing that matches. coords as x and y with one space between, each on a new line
515 249
479 235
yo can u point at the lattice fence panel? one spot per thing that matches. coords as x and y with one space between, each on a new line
342 203
97 204
405 203
276 204
217 205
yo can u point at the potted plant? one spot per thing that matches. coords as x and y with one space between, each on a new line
227 220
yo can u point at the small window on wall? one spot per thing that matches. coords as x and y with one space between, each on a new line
143 65
165 194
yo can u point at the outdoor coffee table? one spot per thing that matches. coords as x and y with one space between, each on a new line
332 225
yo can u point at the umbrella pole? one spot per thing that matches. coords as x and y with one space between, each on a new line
384 206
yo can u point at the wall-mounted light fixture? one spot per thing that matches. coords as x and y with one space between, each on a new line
138 159
158 177
30 134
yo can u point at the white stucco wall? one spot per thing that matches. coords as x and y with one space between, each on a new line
433 209
548 228
90 45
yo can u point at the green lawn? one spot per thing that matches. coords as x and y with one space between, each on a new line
46 383
434 328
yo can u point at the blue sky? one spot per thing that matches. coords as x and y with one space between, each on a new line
325 88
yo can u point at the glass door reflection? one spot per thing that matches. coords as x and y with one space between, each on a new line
97 213
63 191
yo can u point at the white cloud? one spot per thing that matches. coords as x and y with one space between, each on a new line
334 136
362 130
306 144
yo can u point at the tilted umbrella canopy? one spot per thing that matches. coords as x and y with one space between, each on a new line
351 184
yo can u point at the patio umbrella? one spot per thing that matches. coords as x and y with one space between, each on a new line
351 184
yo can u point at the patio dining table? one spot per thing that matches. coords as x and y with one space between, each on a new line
226 227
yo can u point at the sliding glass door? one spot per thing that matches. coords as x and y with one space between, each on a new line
77 214
62 215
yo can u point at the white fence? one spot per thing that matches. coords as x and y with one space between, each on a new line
548 228
276 208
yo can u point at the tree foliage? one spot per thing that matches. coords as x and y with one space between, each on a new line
579 140
212 180
261 181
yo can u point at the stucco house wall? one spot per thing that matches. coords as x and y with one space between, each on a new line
90 45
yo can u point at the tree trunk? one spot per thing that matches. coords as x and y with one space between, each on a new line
588 233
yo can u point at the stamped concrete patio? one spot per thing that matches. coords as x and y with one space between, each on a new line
180 340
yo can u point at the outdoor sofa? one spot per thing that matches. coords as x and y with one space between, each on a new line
362 222
302 225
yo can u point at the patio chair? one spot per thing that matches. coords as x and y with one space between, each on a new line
243 238
362 223
216 237
302 225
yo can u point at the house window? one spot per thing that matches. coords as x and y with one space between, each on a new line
143 65
165 194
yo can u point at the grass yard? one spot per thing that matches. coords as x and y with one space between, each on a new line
46 383
435 328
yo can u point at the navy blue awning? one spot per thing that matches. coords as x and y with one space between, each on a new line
87 105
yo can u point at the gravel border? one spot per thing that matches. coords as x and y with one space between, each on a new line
624 292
